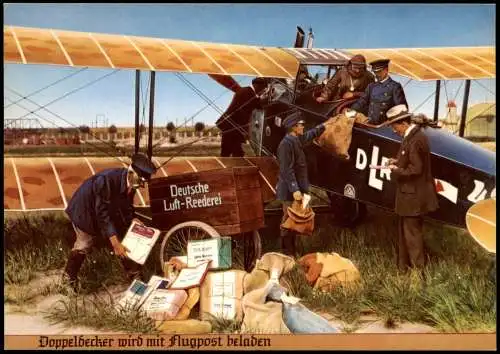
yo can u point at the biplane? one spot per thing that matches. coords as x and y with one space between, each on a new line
464 172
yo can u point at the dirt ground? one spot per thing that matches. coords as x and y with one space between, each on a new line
29 319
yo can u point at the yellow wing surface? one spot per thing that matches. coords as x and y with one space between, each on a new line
25 45
47 183
481 222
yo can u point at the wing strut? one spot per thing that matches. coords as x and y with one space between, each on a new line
436 102
151 114
137 103
464 109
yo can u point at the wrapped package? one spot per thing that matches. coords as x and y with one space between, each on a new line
164 304
218 250
221 294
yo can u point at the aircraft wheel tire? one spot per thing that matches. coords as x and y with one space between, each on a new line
346 212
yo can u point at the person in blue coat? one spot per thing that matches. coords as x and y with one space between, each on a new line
103 207
380 96
293 180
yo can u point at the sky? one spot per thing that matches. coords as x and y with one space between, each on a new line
111 99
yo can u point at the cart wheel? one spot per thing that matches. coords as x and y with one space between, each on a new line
175 243
246 249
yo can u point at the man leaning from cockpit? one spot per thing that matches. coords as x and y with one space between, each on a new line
348 82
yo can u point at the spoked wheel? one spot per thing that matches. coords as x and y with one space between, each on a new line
246 248
346 212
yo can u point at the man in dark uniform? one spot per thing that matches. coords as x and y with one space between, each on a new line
293 180
103 207
380 96
234 121
348 82
415 192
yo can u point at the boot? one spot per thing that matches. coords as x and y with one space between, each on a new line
288 244
133 270
75 261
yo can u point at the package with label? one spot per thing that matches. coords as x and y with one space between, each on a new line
218 250
164 304
140 240
133 296
221 294
138 292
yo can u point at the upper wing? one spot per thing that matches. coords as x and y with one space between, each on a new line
45 46
439 63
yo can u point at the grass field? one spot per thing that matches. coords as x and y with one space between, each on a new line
457 294
104 150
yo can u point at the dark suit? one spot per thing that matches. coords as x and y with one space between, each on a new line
234 121
378 98
101 205
415 196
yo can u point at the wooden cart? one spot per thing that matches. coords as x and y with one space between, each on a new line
209 204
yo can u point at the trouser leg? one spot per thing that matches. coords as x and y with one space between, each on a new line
225 146
238 149
81 247
288 238
403 256
413 227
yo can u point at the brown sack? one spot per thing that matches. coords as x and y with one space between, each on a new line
271 263
337 136
262 317
299 220
336 271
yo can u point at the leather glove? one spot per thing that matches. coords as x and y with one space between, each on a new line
297 195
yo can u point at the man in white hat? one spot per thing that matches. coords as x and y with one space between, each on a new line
415 190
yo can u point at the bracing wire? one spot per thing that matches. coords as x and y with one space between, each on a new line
54 114
46 87
70 93
57 126
191 118
487 89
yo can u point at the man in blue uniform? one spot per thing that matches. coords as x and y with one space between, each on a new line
380 96
103 207
293 180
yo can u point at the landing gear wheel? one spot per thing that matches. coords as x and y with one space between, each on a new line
346 212
246 248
